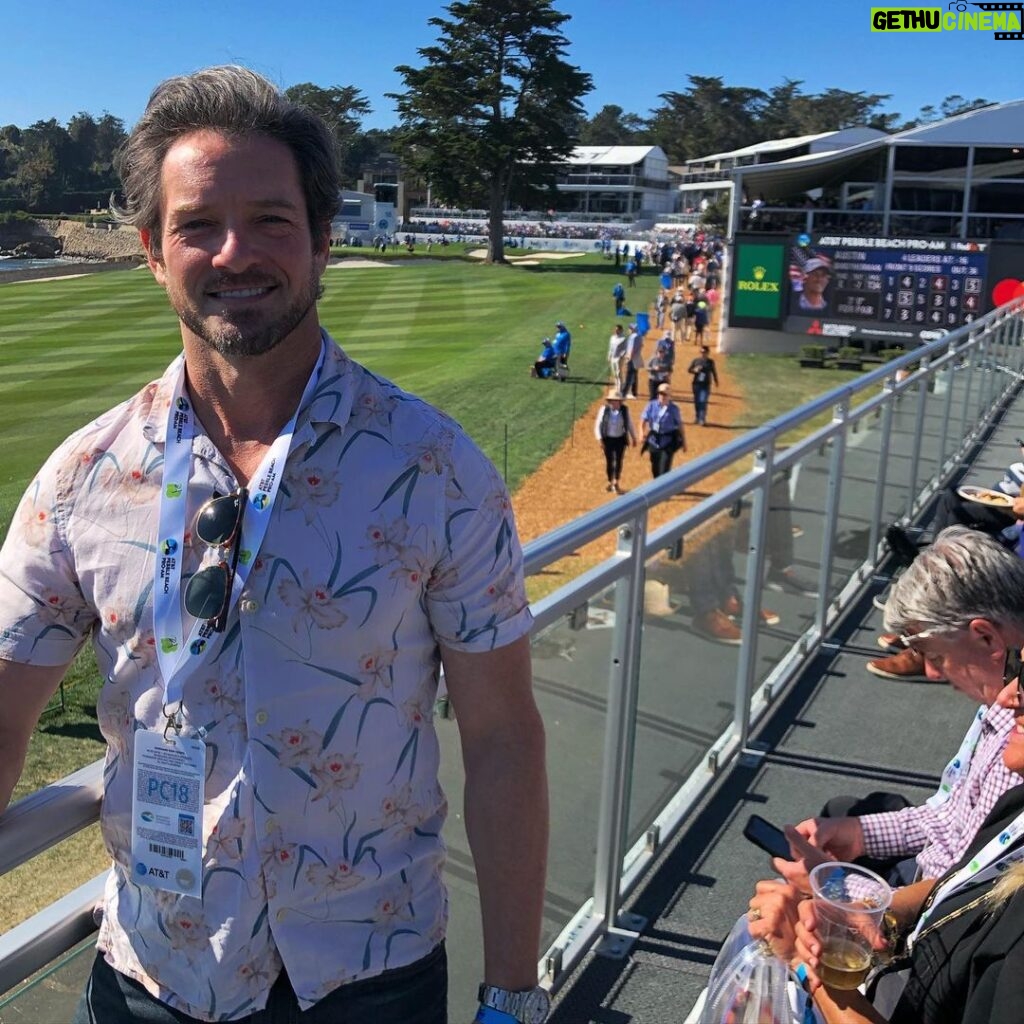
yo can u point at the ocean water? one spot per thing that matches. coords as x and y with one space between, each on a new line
12 263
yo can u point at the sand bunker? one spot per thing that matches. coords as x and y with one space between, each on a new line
531 257
357 262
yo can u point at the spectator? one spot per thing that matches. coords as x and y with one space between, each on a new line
562 346
616 353
634 362
613 428
702 371
662 425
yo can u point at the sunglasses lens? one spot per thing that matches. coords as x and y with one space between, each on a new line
206 592
217 520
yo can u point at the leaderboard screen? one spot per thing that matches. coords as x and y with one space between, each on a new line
884 291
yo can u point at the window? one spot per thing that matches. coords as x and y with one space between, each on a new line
1004 162
935 161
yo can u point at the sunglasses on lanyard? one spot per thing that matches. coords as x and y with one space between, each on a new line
218 525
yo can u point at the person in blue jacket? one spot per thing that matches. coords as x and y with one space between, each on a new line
545 365
563 343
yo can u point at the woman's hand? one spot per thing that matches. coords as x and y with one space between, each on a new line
773 916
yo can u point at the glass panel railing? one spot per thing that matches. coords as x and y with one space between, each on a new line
53 992
688 663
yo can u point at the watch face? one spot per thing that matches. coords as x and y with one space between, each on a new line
536 1007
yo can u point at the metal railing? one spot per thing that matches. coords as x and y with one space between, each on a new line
923 424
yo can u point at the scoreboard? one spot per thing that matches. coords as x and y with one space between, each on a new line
887 291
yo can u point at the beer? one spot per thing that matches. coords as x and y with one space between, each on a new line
844 964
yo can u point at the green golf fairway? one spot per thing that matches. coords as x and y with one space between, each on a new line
461 335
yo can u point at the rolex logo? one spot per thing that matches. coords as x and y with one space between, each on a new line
759 273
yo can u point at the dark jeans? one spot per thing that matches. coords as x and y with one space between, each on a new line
417 994
700 403
613 449
661 461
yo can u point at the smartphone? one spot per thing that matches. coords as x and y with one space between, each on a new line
767 836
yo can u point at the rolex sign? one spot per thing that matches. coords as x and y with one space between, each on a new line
758 281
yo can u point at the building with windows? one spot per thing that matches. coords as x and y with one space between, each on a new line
617 183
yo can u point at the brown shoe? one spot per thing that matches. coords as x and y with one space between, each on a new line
717 626
890 642
733 607
907 666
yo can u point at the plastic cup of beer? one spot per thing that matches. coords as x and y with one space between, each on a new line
850 903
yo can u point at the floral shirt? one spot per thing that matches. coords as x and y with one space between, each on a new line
391 534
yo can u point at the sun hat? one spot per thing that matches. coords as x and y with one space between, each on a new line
613 396
663 389
818 263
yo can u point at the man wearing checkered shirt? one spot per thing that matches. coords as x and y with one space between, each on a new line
961 604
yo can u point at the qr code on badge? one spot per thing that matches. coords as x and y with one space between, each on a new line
186 825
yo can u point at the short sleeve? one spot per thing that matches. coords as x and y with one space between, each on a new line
44 617
476 595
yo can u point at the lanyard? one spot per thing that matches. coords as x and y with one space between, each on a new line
990 861
958 767
180 655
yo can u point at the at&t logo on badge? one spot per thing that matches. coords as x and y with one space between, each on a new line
197 646
169 546
259 501
182 404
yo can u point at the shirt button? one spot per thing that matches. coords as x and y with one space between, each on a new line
248 605
261 717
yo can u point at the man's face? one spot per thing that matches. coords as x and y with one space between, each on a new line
816 281
971 659
237 257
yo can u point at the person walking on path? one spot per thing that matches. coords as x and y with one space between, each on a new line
271 547
634 360
677 314
703 372
616 354
613 428
662 425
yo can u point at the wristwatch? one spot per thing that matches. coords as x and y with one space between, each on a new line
530 1006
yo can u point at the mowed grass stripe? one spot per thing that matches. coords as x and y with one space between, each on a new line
461 335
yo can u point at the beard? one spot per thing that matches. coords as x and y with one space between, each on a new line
249 332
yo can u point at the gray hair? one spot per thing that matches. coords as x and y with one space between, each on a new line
234 101
963 575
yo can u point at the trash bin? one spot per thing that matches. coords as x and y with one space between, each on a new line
666 281
643 323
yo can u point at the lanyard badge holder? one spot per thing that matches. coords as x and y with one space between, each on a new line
169 767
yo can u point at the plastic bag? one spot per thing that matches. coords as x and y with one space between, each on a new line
750 985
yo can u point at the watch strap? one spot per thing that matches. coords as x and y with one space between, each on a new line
489 1015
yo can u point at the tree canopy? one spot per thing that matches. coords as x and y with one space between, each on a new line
493 111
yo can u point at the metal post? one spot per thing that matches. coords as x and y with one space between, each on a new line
968 355
835 487
915 451
763 464
884 441
619 740
945 459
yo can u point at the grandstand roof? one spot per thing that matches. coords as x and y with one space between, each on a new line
843 138
995 125
614 155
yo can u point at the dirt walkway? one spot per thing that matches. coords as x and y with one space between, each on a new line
572 482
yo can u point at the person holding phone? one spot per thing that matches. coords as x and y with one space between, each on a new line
959 931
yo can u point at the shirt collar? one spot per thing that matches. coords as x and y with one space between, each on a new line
999 719
331 402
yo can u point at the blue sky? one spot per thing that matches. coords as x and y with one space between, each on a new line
63 56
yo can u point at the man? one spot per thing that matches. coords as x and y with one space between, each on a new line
703 371
817 272
634 362
562 346
619 295
616 353
961 605
274 550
